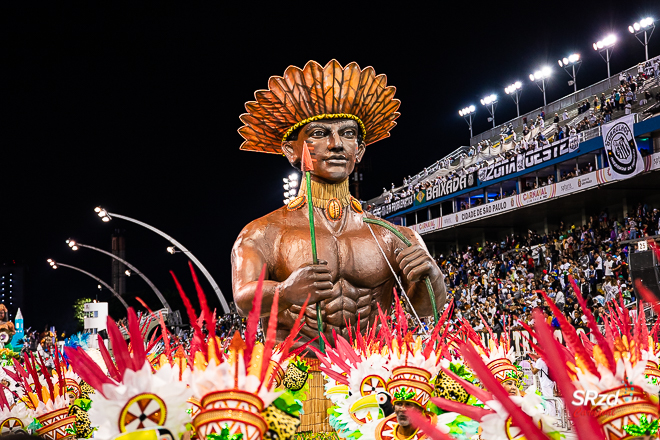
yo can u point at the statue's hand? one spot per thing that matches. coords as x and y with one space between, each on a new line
312 279
416 264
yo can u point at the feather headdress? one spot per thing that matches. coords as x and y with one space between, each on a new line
134 397
313 93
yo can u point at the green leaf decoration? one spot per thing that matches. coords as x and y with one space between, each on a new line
404 394
84 404
224 435
643 428
288 404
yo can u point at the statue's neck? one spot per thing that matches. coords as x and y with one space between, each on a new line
322 192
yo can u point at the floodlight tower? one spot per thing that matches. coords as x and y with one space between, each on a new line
570 62
290 187
490 102
606 46
514 91
645 26
467 113
539 77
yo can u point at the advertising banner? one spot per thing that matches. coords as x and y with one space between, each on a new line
389 208
443 189
622 153
529 159
478 212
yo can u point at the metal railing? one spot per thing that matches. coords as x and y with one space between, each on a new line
556 106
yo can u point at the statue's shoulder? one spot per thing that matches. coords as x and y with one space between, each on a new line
271 222
410 234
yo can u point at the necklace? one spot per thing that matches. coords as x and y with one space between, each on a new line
333 199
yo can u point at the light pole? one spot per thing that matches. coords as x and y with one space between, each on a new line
606 46
75 245
107 216
643 27
514 91
290 187
539 78
571 61
54 264
490 100
467 113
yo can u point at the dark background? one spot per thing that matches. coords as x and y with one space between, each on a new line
135 108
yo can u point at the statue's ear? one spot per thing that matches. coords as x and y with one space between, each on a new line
290 152
360 152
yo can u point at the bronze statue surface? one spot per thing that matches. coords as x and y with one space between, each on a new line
352 276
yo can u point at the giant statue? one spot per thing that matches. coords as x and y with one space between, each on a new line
334 112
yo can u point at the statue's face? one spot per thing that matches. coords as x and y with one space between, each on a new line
333 145
3 315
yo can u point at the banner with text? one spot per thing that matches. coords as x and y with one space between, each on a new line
622 153
389 208
443 189
529 159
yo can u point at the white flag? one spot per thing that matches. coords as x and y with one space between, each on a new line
622 153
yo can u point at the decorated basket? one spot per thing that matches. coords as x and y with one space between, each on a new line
633 410
237 421
652 372
58 429
53 416
235 398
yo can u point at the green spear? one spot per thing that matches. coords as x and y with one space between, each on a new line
306 167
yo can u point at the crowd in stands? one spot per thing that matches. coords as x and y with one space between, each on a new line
499 281
596 112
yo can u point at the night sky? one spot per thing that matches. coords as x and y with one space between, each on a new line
135 108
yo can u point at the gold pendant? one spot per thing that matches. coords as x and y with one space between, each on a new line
356 205
296 203
333 210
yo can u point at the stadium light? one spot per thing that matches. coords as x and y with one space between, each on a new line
539 78
490 102
131 269
107 216
570 62
606 46
467 113
290 187
54 264
645 26
514 91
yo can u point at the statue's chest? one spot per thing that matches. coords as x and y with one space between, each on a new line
352 254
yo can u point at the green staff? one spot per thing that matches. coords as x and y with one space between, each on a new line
306 167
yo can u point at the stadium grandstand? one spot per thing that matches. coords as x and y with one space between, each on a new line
546 168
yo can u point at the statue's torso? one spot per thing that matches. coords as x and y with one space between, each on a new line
361 277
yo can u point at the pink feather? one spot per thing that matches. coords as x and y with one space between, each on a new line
591 322
586 425
253 317
420 420
520 419
110 365
473 412
270 335
119 348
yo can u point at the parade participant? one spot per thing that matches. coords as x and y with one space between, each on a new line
336 112
7 330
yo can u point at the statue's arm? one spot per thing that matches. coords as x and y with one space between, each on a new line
248 257
415 264
247 261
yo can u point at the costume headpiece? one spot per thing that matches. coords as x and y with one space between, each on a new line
134 402
314 93
498 356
